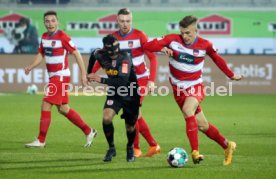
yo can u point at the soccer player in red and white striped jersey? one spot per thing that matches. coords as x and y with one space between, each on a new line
187 53
132 41
54 47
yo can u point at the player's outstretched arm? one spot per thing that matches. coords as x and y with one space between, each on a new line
37 60
81 66
237 77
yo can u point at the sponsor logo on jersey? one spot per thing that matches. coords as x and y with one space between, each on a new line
48 51
109 102
125 68
186 58
111 72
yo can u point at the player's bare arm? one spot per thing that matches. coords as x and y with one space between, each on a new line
81 66
151 86
37 60
237 77
94 77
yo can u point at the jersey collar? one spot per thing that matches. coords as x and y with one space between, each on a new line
124 36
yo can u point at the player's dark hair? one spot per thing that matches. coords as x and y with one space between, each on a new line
50 13
24 21
109 40
124 11
187 21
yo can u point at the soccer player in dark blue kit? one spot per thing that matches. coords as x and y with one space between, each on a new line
121 78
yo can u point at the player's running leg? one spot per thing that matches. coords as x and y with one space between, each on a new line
188 109
45 120
76 119
213 133
108 129
154 148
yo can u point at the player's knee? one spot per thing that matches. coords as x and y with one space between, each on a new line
107 121
188 111
107 118
63 110
203 127
130 128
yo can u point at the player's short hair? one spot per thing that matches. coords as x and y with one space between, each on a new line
50 13
187 21
109 40
24 21
124 11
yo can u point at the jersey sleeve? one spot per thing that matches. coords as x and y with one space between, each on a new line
40 48
93 64
151 56
218 60
157 44
68 43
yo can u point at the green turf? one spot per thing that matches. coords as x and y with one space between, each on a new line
247 119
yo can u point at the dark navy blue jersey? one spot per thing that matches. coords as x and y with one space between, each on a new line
120 71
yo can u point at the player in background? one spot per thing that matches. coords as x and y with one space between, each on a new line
132 41
187 52
121 75
54 48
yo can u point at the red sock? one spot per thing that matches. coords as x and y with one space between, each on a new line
214 134
136 142
145 131
75 118
192 132
45 120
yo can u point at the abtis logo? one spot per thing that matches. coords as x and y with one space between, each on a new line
8 22
214 25
105 25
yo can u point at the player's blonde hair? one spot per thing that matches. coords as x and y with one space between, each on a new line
124 11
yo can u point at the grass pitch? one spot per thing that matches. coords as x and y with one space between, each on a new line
247 119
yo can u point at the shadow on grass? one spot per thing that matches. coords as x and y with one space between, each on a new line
72 165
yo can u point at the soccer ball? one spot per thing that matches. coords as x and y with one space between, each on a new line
177 157
32 89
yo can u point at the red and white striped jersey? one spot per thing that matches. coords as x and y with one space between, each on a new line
133 42
55 48
187 62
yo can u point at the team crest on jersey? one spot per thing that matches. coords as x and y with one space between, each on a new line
53 43
109 102
195 52
130 44
114 62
